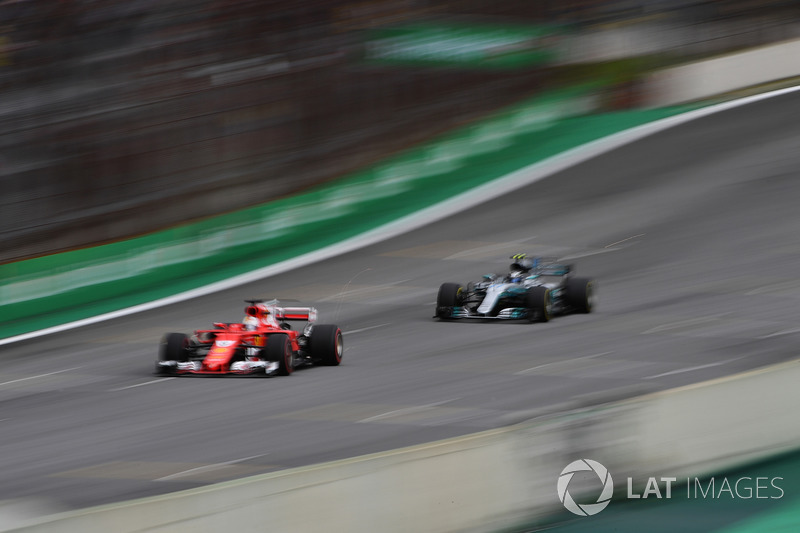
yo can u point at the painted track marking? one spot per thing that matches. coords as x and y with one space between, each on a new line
405 411
208 468
681 323
623 240
693 368
38 376
533 369
781 332
364 329
141 384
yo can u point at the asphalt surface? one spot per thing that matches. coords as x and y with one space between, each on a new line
692 235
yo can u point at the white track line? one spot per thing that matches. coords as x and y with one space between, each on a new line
473 197
38 376
623 240
693 368
364 329
688 322
533 369
779 333
140 384
207 468
405 411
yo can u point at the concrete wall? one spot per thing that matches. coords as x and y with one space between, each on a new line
712 77
487 481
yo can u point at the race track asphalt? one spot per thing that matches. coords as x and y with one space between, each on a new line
692 235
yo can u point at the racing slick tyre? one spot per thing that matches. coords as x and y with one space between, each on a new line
326 344
279 349
539 303
580 295
449 296
174 347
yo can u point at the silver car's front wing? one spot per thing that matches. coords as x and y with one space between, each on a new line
509 313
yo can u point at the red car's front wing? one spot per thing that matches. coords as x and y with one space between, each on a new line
255 366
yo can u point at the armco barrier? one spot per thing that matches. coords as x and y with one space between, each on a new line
47 291
487 481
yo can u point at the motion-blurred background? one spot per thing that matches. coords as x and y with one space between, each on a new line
120 117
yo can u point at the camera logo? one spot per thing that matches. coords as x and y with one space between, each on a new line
588 509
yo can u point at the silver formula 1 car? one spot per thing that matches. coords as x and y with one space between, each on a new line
535 289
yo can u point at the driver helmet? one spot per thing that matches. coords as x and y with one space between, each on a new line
517 276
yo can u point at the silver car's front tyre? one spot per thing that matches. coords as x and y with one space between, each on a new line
450 295
539 302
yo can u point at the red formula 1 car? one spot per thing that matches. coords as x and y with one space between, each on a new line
264 343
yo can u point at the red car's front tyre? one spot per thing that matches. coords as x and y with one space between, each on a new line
279 349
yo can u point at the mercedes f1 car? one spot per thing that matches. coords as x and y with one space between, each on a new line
535 290
264 343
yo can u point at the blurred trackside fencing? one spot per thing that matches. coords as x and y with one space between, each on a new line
92 281
119 118
491 481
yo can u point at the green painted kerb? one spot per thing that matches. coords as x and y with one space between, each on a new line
61 288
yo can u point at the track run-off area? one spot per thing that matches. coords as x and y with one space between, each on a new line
690 232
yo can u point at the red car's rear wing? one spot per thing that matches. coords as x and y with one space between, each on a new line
296 313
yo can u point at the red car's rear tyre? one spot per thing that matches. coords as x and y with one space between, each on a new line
327 345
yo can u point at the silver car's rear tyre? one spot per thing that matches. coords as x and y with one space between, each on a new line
580 295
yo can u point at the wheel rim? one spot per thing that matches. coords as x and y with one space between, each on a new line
591 298
548 305
339 346
288 358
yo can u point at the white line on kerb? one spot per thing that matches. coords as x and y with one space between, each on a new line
38 376
207 468
479 195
